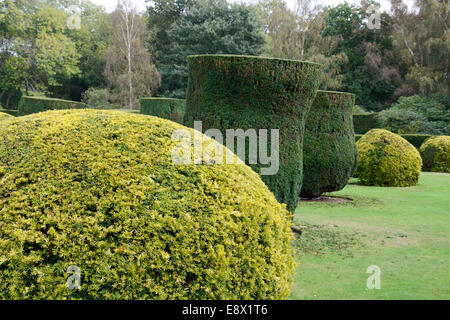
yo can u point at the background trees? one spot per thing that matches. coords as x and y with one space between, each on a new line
201 27
370 70
129 71
423 41
39 54
36 53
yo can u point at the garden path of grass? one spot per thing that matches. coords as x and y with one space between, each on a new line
404 231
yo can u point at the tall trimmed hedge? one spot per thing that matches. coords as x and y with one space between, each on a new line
244 92
30 105
329 150
166 108
99 190
365 122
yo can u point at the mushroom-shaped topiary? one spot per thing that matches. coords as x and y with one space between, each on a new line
97 193
4 116
329 150
253 93
386 159
435 153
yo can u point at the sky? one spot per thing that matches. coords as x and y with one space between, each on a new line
140 4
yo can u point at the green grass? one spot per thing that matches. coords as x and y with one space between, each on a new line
404 231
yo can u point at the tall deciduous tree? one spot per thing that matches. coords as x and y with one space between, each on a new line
91 41
162 14
13 67
297 34
372 68
129 70
35 50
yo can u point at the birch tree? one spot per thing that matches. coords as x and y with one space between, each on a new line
130 72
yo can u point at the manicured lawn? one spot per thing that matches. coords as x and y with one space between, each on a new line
404 231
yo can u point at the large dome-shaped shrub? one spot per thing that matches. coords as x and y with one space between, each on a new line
99 190
386 159
329 150
435 153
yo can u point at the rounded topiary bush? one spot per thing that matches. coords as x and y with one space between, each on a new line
329 150
4 116
166 108
435 153
99 190
252 93
386 159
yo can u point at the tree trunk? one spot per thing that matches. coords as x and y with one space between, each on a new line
130 80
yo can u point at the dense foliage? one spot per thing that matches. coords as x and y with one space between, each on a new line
385 159
329 150
417 114
241 92
38 52
199 27
377 55
373 82
406 55
29 105
98 98
166 108
99 190
435 153
129 70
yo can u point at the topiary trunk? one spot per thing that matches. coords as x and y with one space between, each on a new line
243 92
329 147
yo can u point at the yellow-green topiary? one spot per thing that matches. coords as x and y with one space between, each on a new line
4 116
435 153
386 159
99 190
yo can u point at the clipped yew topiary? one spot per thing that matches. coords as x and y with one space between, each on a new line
435 153
99 190
166 108
386 159
30 105
242 92
329 149
4 116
